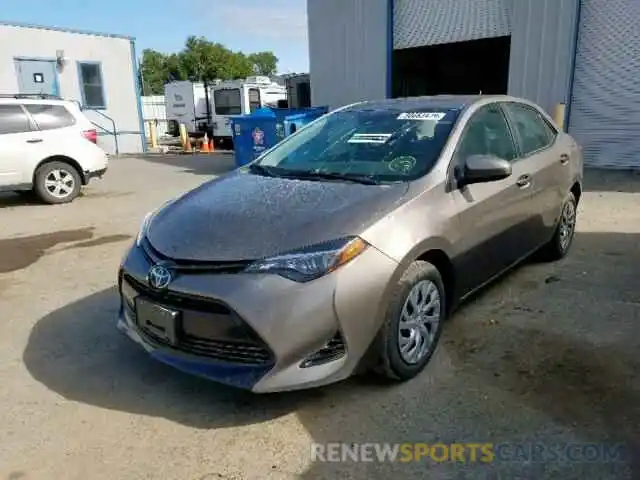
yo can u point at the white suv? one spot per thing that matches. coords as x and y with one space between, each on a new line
47 146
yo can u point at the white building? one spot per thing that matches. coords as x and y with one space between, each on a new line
98 70
583 54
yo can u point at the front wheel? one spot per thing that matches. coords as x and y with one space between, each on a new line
57 182
413 325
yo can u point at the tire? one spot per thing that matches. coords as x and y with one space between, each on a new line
562 239
392 364
65 191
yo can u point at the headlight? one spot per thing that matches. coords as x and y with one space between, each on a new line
312 262
143 227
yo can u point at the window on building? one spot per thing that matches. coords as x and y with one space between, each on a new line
92 85
534 131
48 117
254 99
487 133
13 119
228 101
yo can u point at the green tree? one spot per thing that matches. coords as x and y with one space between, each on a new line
174 68
153 72
201 60
264 63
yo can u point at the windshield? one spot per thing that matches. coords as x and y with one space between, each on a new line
381 145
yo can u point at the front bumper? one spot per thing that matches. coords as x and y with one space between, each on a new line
279 335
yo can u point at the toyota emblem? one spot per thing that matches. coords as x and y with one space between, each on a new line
159 277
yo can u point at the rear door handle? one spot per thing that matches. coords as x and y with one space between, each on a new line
564 159
523 181
34 140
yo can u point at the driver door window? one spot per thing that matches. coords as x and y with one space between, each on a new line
487 133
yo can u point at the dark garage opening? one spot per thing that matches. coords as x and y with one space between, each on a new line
452 68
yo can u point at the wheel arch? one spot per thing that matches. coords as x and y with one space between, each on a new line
576 189
438 252
64 159
443 263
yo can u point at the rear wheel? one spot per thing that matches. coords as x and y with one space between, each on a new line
413 324
562 239
57 182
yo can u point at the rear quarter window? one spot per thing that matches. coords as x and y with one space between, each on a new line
49 117
13 120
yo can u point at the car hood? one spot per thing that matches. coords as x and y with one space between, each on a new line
242 216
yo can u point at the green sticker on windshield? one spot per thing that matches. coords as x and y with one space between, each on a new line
403 164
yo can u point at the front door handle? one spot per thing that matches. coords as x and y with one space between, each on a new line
564 159
523 181
34 140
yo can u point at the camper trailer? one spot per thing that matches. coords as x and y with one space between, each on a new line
241 97
187 102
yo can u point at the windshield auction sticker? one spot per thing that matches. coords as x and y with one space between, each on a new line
369 138
422 116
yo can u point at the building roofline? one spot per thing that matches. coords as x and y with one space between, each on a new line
65 30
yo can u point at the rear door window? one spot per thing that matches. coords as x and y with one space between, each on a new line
13 119
49 117
533 130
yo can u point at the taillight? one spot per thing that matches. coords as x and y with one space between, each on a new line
91 135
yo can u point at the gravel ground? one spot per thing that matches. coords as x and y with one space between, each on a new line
548 355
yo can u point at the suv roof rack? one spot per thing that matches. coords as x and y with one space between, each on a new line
41 96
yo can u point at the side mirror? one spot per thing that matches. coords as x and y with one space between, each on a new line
484 168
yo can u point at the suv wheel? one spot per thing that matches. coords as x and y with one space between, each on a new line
57 182
411 331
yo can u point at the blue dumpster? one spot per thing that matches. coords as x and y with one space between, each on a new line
295 121
264 128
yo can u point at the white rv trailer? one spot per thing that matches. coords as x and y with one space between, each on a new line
186 102
241 97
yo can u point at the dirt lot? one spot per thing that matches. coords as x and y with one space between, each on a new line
550 354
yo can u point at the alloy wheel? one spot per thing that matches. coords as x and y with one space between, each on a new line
567 225
60 183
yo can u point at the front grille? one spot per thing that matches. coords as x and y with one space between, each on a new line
333 350
206 328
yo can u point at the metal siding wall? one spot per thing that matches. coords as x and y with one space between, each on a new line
154 109
347 51
419 23
605 102
541 50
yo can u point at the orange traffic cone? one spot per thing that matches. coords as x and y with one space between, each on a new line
205 144
212 147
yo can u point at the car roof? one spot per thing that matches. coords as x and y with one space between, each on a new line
444 102
31 100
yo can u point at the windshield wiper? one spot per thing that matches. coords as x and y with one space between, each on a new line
262 170
316 174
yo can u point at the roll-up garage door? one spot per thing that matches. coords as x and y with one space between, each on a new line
419 23
605 101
